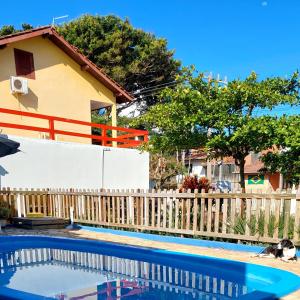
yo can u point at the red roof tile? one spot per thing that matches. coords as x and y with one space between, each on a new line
254 167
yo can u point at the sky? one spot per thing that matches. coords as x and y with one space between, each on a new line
226 37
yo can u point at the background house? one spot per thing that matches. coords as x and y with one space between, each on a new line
221 173
255 181
61 82
224 174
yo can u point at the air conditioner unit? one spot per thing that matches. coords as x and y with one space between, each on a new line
18 85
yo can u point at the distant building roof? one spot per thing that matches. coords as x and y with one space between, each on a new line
198 154
86 65
254 167
201 154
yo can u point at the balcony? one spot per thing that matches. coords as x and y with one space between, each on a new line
54 127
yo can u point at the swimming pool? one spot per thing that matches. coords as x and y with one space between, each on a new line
40 267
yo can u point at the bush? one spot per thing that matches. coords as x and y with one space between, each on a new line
257 226
193 183
4 210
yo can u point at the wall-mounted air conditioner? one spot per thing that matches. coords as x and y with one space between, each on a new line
18 85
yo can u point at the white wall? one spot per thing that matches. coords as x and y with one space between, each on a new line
125 169
197 168
52 164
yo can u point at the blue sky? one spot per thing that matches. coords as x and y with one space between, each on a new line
229 37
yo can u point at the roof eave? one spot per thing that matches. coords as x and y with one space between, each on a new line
23 35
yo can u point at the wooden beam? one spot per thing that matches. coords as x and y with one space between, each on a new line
85 67
45 35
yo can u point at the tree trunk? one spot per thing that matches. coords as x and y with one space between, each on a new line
242 184
183 158
242 174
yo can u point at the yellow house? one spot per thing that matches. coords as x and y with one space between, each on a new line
60 82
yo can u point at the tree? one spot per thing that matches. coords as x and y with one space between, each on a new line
221 118
9 29
285 157
134 58
163 168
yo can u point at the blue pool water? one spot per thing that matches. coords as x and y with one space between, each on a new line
58 268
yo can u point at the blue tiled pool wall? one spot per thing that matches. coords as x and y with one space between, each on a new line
281 282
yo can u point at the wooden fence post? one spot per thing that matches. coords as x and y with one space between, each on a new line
164 210
170 201
203 210
18 205
195 211
287 211
297 218
131 208
217 213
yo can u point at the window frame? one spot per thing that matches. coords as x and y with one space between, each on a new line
24 63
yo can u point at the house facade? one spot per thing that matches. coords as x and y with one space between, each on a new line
255 181
224 174
61 82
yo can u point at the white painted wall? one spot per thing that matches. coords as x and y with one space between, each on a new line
52 164
125 169
197 168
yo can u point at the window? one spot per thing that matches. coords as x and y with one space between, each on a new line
24 64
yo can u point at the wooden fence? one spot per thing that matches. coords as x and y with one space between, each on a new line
240 216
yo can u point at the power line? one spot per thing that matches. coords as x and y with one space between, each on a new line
174 82
158 86
153 90
146 95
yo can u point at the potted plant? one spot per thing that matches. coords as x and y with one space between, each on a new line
4 213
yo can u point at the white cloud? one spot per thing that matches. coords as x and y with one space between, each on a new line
264 3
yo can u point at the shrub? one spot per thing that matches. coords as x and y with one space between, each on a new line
4 210
239 226
204 184
258 225
193 183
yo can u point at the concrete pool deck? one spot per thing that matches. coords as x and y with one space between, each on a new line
293 267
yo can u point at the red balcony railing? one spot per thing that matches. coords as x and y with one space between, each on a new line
130 138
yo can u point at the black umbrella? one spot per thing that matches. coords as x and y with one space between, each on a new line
8 147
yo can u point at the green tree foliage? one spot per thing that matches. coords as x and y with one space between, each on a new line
105 118
9 29
134 58
221 118
285 158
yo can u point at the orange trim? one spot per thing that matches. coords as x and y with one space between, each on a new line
123 141
24 127
121 94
